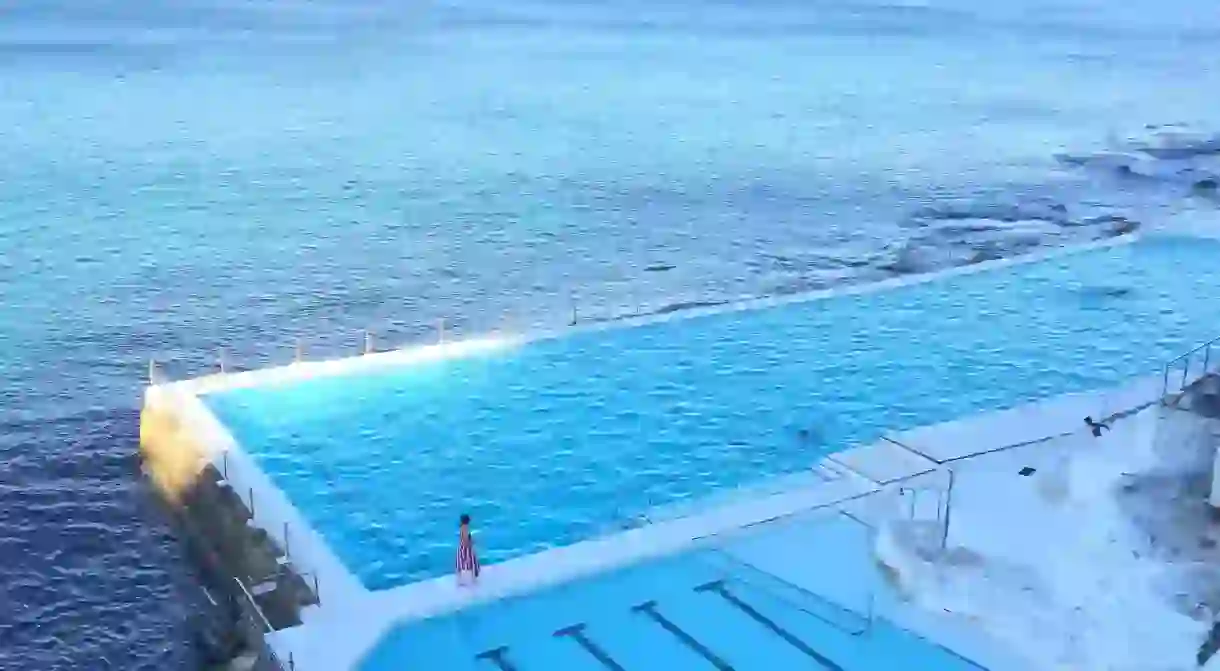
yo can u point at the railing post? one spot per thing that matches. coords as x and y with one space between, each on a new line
287 546
1165 384
573 298
251 503
944 539
1207 357
224 465
368 342
220 359
316 592
1185 370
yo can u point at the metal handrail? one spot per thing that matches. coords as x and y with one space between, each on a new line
254 605
1186 357
222 359
265 650
310 577
867 618
1196 350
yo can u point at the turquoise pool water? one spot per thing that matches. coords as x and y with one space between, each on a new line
688 612
546 444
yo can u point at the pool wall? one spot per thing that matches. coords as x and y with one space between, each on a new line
350 618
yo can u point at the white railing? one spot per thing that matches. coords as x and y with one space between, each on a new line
283 543
915 492
257 628
846 620
1186 369
570 310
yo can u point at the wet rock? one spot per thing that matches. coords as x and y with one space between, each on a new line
1207 185
1181 145
1122 227
687 305
995 213
1103 221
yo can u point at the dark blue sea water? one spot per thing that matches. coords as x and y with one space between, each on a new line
181 176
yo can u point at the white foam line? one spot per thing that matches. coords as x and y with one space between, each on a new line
334 367
295 372
273 512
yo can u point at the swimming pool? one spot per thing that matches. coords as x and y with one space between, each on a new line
546 443
699 610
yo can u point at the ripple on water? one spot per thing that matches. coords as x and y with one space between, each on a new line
88 581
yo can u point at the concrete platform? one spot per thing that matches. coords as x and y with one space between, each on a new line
884 462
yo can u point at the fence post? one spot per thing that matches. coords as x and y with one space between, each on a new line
368 342
224 465
287 546
152 370
251 503
573 299
317 593
944 538
1185 371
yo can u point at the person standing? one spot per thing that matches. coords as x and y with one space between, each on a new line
467 560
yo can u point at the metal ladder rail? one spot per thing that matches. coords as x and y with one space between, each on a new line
763 575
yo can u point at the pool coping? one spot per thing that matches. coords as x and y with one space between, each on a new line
364 615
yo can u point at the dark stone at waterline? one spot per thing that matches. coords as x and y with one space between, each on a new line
1208 185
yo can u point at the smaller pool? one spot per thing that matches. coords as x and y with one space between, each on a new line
701 610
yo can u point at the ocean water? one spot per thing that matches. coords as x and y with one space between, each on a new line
183 176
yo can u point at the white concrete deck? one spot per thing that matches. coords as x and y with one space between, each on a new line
962 438
1060 572
884 462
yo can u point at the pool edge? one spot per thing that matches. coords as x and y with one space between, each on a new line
305 370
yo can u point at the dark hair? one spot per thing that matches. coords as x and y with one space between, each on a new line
464 519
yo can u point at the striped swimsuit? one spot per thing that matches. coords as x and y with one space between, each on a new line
467 560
